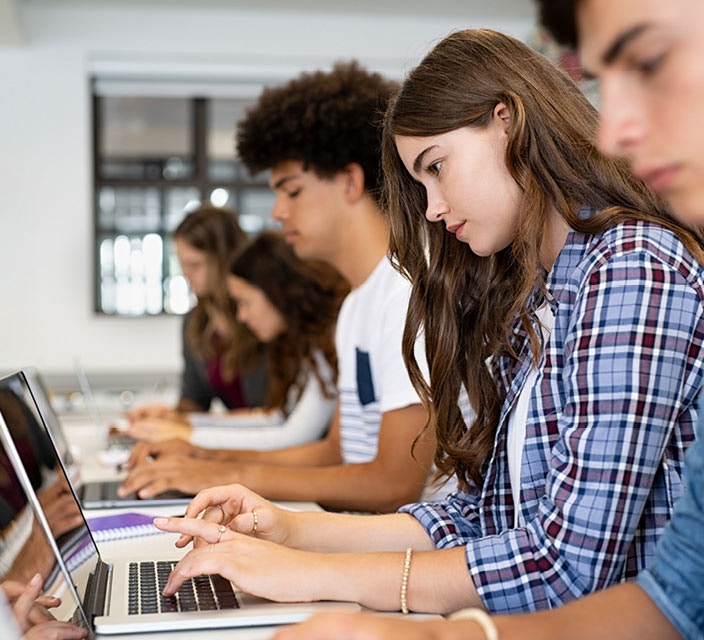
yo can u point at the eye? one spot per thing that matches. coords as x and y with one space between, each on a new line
650 66
434 168
294 193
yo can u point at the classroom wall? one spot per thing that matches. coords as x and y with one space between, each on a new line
46 318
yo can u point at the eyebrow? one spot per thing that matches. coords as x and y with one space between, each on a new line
281 182
617 47
419 159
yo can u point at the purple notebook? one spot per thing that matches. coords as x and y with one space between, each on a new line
121 525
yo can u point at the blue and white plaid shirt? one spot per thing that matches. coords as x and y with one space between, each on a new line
610 417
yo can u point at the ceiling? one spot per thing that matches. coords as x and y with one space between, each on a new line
11 26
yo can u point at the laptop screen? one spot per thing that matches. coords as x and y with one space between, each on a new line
54 495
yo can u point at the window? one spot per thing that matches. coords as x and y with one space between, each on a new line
156 157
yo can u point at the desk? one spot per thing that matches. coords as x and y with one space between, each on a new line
83 437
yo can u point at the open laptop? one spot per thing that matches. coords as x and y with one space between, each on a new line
27 385
126 595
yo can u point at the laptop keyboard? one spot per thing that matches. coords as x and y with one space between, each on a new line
147 580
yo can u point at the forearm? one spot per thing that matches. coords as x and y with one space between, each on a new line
351 487
620 613
438 581
339 532
322 452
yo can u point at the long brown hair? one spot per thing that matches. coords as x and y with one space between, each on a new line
467 306
216 232
308 294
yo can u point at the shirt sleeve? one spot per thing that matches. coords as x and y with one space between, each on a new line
675 581
307 421
632 332
194 383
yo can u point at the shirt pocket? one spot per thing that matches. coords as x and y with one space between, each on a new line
365 384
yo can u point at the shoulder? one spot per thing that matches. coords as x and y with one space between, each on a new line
637 243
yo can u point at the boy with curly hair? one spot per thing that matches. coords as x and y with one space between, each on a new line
319 135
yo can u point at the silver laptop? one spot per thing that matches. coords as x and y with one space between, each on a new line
126 596
27 385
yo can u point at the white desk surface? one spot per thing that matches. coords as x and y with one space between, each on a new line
82 435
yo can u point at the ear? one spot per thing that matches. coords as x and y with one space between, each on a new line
503 113
354 183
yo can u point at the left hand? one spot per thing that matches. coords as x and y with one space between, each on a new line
182 473
258 567
157 429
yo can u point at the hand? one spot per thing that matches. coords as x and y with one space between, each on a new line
234 506
144 452
28 607
55 630
159 411
366 626
60 507
157 429
184 474
258 567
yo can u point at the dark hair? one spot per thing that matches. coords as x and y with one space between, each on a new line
216 232
468 306
560 20
325 119
308 294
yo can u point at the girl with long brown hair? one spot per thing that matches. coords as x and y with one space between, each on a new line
221 358
291 305
566 304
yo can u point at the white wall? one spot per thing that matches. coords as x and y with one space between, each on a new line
46 317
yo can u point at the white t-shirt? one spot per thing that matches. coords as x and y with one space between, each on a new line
372 377
516 434
308 419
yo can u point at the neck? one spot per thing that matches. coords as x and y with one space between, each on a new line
555 235
364 243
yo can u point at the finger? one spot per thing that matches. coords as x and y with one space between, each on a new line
210 532
25 601
39 614
56 630
222 495
138 479
48 601
194 563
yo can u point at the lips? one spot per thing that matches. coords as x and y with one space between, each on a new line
456 229
659 179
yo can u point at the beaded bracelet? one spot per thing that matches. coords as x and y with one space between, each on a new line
482 618
404 580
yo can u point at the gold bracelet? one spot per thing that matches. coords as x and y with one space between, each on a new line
404 580
482 618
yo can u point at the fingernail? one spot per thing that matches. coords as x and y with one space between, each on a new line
36 579
161 520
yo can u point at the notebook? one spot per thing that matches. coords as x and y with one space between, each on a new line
26 384
126 595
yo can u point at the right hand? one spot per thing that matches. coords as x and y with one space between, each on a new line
233 506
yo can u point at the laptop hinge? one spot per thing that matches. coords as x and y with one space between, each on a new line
96 590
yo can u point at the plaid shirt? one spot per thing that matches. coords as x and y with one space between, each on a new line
609 419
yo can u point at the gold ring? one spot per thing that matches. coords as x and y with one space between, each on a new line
221 530
255 523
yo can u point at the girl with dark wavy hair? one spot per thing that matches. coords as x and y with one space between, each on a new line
564 301
291 305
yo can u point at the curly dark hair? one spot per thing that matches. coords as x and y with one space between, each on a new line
560 20
308 293
325 119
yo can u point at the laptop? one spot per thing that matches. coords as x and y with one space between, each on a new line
27 384
126 596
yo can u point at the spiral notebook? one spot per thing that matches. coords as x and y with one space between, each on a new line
122 525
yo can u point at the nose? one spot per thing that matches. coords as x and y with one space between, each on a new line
279 211
621 120
436 209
